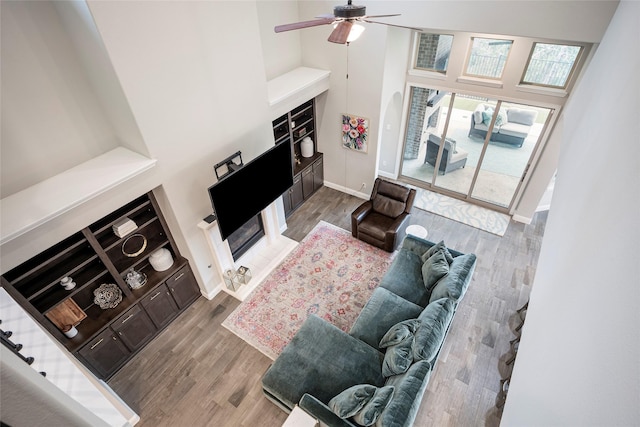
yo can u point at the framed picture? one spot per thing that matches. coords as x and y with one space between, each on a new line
355 133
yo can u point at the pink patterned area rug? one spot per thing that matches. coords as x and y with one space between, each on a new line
330 274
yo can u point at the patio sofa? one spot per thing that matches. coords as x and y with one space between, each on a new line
327 371
511 127
452 157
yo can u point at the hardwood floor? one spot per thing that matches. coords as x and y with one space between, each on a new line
197 373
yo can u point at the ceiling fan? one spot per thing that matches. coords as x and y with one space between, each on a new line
345 19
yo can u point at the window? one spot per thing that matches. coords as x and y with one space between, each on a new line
433 52
488 57
551 64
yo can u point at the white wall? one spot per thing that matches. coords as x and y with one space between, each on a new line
281 51
51 118
578 361
194 75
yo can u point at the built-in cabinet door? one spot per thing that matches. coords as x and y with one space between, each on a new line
105 353
318 174
183 287
307 182
134 328
297 196
160 306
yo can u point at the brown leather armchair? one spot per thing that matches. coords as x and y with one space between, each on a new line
382 220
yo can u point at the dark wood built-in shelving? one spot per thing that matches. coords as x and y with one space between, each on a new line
308 172
107 338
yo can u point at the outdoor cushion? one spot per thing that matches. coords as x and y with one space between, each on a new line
522 116
383 310
515 129
452 285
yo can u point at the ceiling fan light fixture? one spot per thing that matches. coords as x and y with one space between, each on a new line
356 31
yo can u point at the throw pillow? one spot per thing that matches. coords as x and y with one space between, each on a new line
487 115
435 248
434 321
350 401
398 332
398 358
369 414
501 119
398 341
434 269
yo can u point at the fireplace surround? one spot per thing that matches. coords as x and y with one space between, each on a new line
261 257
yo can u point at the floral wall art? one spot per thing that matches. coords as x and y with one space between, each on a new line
355 132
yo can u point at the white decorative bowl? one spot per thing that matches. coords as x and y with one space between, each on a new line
161 260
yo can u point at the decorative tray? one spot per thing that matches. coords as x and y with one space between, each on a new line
108 295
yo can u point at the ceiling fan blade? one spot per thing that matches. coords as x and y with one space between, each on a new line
393 25
341 32
380 16
302 24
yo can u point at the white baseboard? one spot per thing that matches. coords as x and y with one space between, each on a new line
387 175
522 219
364 196
212 293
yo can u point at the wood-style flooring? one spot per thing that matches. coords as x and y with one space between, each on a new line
197 373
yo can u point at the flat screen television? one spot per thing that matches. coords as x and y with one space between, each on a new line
243 193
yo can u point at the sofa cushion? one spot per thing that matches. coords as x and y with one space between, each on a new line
383 310
399 342
387 206
374 407
522 116
409 389
321 360
376 225
434 268
404 277
435 248
434 322
350 401
455 283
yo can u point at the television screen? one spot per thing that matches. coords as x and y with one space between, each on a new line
242 194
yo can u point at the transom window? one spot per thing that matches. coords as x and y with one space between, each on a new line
488 57
551 64
433 52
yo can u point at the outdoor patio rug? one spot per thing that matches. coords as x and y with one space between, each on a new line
458 210
330 274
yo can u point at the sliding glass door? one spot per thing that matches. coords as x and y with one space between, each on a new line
472 148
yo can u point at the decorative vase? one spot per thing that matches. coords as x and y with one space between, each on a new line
161 259
306 147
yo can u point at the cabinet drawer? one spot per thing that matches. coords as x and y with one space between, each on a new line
317 164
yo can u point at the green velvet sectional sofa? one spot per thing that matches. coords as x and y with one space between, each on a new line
324 370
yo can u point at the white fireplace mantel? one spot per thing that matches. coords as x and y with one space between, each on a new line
261 258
